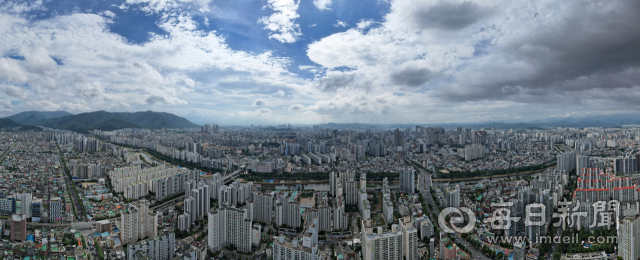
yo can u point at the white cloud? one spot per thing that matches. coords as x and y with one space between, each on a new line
280 93
21 6
101 70
262 112
364 24
478 59
156 6
322 4
296 107
341 24
108 14
281 23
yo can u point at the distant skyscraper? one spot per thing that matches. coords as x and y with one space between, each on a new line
55 209
582 161
25 203
625 165
566 161
332 183
398 141
407 181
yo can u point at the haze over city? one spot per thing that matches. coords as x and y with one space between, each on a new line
308 62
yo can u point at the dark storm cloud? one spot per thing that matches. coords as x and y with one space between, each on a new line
449 16
595 47
411 77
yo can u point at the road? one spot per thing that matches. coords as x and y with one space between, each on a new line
13 145
179 198
426 194
229 178
72 190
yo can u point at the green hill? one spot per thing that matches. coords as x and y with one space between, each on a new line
6 124
108 121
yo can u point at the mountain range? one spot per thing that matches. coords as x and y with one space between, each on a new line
6 123
100 120
615 120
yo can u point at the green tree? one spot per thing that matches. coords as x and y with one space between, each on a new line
557 256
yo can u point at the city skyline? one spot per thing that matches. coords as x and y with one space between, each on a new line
321 61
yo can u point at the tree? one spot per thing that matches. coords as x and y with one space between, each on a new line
557 256
500 255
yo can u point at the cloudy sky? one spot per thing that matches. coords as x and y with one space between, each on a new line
320 61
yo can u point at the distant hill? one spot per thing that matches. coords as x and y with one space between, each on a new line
6 123
31 117
108 121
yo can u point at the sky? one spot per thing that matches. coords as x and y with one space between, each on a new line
320 61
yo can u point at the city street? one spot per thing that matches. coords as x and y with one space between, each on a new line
426 194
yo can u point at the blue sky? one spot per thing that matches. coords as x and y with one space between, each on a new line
320 61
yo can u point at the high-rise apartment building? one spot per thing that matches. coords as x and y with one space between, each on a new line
263 207
407 181
629 237
55 209
161 247
189 208
352 192
452 196
325 218
409 240
137 222
339 215
332 183
623 165
18 227
519 251
228 226
566 161
25 204
582 161
382 246
293 251
387 204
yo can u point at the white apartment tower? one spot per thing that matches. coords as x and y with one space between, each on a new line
629 237
229 226
137 223
382 246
